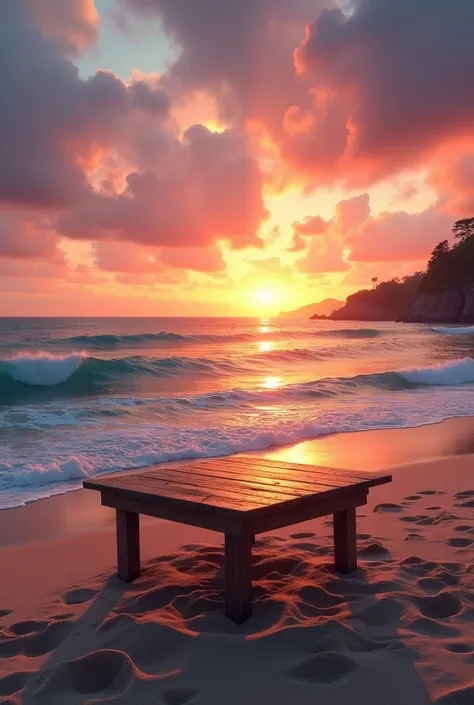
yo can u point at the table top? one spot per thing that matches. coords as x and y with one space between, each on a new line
237 484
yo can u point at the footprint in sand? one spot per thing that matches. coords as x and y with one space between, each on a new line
466 499
388 507
79 596
33 637
5 613
93 673
460 647
412 497
422 519
303 535
430 492
323 668
431 586
459 542
413 536
13 683
464 527
440 606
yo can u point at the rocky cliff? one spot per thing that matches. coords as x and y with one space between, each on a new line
389 301
454 305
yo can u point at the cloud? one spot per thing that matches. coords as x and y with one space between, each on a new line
399 237
72 24
23 236
452 175
355 236
312 225
51 120
208 190
351 213
128 258
240 51
324 255
198 259
394 73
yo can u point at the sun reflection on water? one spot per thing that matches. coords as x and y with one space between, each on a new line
265 346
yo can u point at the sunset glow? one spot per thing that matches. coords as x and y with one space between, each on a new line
154 192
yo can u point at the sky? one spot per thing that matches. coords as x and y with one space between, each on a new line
227 157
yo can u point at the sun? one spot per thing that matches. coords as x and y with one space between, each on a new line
265 296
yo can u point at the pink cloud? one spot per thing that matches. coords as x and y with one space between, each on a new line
312 225
210 191
380 68
324 254
26 236
73 24
399 237
352 213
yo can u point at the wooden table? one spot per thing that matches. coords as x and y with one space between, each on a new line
240 496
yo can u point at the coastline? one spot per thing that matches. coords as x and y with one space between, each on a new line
79 511
398 630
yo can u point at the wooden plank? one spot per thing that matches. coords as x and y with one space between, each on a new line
311 483
300 474
345 544
272 518
283 484
193 515
133 484
214 484
238 581
300 468
347 476
152 489
319 482
128 545
303 468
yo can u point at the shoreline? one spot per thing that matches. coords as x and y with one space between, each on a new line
399 629
78 511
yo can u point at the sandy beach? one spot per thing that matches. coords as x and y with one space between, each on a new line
399 630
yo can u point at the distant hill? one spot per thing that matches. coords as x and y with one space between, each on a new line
323 308
388 301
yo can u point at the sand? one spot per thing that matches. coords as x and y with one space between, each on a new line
398 631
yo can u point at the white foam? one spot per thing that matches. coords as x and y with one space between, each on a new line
463 330
58 463
43 369
449 373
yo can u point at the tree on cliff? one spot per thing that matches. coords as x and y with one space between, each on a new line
451 267
463 229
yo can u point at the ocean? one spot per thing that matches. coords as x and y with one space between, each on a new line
85 396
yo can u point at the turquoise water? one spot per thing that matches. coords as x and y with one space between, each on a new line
79 397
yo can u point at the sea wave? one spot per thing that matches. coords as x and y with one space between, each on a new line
106 341
79 375
462 330
43 369
350 332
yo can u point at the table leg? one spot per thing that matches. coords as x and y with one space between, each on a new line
128 545
238 582
345 544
